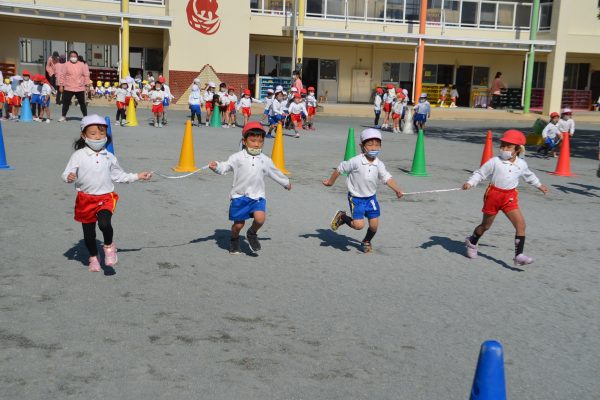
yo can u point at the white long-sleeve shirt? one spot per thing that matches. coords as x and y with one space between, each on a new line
566 125
121 94
550 131
268 101
46 90
195 98
96 172
389 96
504 174
28 87
423 107
398 107
276 108
208 96
157 97
363 175
249 174
246 102
377 103
297 108
311 100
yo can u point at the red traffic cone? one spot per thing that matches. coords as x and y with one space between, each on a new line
487 149
563 166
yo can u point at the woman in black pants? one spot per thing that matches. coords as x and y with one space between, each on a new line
75 76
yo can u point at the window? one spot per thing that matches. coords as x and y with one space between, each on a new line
397 73
434 11
32 51
445 73
375 9
481 76
413 10
153 59
539 75
545 16
336 8
256 4
576 76
451 12
523 18
487 17
395 10
468 16
356 8
314 7
328 69
506 13
275 66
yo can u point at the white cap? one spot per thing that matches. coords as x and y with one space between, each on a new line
566 111
93 119
405 92
122 81
284 93
423 95
369 134
293 89
212 85
270 91
279 88
17 78
196 80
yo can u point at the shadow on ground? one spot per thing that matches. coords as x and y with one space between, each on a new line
331 239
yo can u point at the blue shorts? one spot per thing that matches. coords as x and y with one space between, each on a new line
266 112
274 119
44 101
420 118
364 206
243 208
195 108
35 99
166 102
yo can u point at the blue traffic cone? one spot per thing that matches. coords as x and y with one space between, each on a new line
110 146
26 111
488 383
3 163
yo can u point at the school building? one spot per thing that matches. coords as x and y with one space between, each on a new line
345 48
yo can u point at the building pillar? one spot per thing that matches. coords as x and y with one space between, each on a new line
300 40
555 76
533 28
125 40
421 51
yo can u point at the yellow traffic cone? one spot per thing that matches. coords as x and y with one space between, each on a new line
186 158
277 155
131 117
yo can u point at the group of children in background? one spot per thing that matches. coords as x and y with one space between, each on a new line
394 104
35 88
553 134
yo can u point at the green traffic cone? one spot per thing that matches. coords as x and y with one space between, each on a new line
418 166
350 145
215 120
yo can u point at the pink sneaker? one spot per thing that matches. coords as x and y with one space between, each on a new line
471 248
94 264
522 259
110 255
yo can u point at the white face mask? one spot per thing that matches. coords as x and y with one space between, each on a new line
506 155
73 59
25 78
253 151
96 145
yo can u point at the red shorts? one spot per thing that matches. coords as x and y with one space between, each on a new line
296 118
16 101
247 111
387 107
454 99
209 106
442 98
231 107
311 110
2 97
87 206
395 116
127 100
121 106
158 108
496 200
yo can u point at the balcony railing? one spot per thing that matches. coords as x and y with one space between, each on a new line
482 14
142 2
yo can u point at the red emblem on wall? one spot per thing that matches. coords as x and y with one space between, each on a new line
202 16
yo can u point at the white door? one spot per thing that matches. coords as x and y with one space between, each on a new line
328 83
361 86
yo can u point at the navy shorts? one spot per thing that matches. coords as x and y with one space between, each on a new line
274 119
266 112
364 206
243 208
195 108
420 118
35 99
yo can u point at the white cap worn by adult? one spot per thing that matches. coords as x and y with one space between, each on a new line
368 134
93 119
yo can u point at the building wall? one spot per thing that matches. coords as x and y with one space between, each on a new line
135 9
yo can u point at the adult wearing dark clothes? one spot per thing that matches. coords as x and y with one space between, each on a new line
496 90
74 79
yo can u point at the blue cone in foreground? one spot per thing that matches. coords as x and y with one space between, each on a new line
3 162
110 146
488 383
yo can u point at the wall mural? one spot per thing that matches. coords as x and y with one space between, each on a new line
202 16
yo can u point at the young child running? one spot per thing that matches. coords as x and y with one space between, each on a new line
388 99
422 112
208 100
268 100
245 104
231 107
297 109
453 96
398 112
93 170
363 172
311 106
121 102
249 166
443 95
157 96
504 172
276 111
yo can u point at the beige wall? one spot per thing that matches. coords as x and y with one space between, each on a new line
98 6
226 50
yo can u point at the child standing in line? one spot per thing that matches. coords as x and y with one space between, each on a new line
504 172
297 109
422 112
276 111
157 96
18 94
453 96
195 103
4 87
377 107
443 95
566 124
36 104
551 135
167 97
45 96
268 101
245 104
311 106
223 105
231 108
398 112
121 102
209 92
363 172
249 166
145 91
388 99
93 170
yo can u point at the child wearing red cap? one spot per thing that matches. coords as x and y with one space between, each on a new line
388 99
551 136
297 109
311 105
249 166
93 170
231 107
245 104
504 172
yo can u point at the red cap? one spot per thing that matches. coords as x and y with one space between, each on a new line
297 96
252 125
514 136
311 89
26 72
379 90
230 89
161 79
554 114
303 91
247 92
390 86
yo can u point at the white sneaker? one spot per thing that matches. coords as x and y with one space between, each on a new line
62 119
36 119
207 123
117 123
155 124
160 125
47 120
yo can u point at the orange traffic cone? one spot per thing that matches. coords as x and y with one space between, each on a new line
563 166
186 159
487 149
277 155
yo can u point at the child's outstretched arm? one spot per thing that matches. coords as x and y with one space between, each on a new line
69 175
332 178
221 167
479 175
392 184
533 180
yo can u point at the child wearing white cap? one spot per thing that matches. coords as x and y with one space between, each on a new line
93 170
208 100
422 112
363 171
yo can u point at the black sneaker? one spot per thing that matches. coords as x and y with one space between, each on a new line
234 246
253 240
367 247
